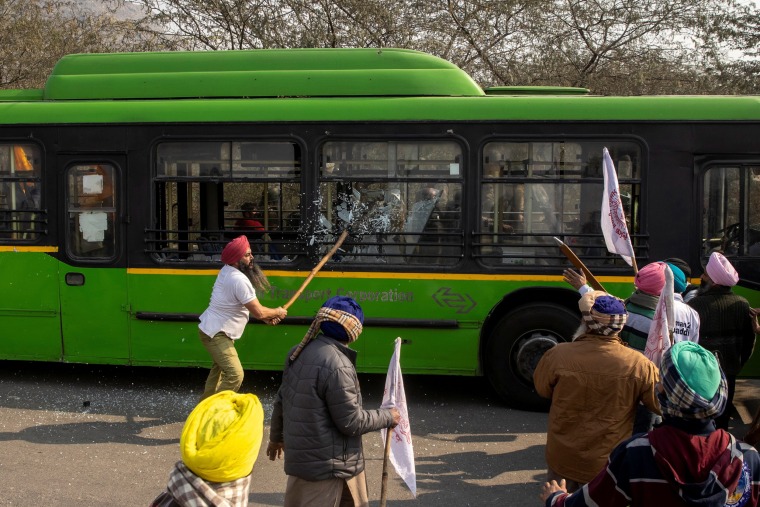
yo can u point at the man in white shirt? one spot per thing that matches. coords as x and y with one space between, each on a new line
233 298
687 318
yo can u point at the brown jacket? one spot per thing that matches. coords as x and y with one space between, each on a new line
595 384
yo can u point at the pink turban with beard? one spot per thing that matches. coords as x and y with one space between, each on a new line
720 271
235 250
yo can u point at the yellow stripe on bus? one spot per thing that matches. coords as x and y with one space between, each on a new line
364 274
18 248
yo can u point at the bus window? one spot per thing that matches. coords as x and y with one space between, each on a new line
400 200
533 191
731 211
210 192
753 212
21 215
91 211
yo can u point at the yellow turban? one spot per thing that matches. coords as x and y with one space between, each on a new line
222 436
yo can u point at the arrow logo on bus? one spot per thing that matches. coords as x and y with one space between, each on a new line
447 298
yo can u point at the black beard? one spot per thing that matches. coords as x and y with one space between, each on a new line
257 277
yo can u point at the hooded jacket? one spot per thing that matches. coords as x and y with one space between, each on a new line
678 463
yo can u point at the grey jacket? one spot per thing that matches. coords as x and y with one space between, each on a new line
318 413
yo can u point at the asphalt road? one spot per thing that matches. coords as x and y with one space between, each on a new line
96 435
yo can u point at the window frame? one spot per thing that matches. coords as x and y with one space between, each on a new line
204 244
15 216
534 248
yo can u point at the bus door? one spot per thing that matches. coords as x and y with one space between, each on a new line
29 320
92 279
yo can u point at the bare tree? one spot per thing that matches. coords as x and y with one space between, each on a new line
621 46
34 35
257 24
611 46
732 48
486 38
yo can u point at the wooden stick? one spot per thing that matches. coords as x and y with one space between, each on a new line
386 456
590 278
317 268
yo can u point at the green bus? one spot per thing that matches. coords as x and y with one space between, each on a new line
123 178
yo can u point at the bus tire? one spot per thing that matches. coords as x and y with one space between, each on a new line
517 343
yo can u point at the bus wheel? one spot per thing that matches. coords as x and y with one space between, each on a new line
517 343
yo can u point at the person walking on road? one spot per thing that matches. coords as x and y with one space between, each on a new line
233 298
683 461
595 384
318 420
727 327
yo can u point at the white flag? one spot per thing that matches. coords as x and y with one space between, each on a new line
614 227
402 451
663 322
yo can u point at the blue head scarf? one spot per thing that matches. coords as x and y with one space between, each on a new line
679 278
340 318
345 304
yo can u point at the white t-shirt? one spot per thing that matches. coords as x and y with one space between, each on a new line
687 321
227 312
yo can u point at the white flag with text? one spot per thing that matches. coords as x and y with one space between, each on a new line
402 451
614 227
663 322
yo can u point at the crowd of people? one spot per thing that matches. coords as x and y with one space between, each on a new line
318 409
623 430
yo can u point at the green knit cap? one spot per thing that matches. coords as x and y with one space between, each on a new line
697 367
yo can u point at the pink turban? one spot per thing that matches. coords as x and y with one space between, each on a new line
235 250
720 271
651 278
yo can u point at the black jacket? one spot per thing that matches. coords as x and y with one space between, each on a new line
318 413
725 327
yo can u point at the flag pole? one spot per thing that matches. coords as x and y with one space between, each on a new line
384 482
317 268
590 278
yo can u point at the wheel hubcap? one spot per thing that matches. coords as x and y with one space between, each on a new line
529 350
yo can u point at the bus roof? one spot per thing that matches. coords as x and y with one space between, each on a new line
536 90
320 85
257 73
367 109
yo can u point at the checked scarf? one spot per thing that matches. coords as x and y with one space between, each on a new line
350 323
188 490
679 400
597 322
